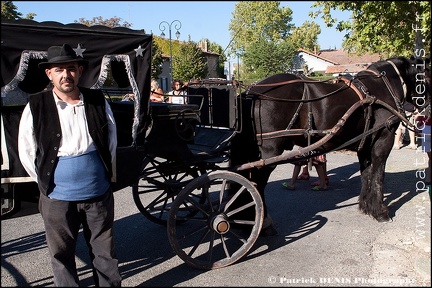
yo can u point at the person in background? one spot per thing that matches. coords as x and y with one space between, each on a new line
319 162
411 114
305 174
156 93
67 142
178 92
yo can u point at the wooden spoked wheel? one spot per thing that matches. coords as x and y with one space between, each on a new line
159 185
220 229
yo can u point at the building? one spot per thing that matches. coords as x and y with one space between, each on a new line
332 61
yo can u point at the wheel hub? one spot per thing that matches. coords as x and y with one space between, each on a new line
220 224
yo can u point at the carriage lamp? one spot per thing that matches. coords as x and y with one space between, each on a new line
162 26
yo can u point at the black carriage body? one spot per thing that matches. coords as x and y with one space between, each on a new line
120 53
185 141
179 132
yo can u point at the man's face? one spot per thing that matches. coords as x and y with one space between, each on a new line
64 76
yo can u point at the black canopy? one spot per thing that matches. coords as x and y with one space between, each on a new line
123 51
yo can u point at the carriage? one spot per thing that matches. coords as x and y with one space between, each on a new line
200 168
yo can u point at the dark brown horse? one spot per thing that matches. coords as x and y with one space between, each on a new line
359 113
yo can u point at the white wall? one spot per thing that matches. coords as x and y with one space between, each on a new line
314 63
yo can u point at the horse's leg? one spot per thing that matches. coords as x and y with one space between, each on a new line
372 167
260 179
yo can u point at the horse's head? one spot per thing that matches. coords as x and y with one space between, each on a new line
411 78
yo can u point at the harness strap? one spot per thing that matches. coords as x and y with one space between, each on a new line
287 82
291 132
362 92
369 100
391 120
404 86
398 103
348 82
305 150
366 127
383 75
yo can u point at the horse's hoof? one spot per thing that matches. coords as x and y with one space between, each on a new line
268 231
384 219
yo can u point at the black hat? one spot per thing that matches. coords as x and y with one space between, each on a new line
61 54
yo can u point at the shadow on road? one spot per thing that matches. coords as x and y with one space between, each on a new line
300 208
294 212
141 244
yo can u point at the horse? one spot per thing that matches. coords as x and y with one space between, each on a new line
358 113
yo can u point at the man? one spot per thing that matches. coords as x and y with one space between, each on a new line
67 142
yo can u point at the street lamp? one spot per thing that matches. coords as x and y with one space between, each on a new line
162 26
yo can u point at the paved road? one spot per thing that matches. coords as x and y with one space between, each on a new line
323 238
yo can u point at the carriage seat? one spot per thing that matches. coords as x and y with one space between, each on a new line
211 142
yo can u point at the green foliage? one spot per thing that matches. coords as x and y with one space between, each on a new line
9 12
261 36
111 22
164 45
189 63
256 21
306 36
385 27
157 60
267 58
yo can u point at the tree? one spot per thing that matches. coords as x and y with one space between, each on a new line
306 36
9 12
260 35
157 60
386 27
266 58
164 45
189 63
111 22
256 21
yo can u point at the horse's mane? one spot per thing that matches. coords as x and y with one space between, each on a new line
280 77
410 66
382 64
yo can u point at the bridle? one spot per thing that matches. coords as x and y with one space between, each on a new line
404 86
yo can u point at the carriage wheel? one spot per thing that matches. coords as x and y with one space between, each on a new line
160 183
223 227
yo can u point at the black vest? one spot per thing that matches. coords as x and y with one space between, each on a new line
48 133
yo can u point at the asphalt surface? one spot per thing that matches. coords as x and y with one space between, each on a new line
323 239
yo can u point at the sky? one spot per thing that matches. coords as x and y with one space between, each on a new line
199 19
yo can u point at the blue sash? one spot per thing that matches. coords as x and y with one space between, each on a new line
79 177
